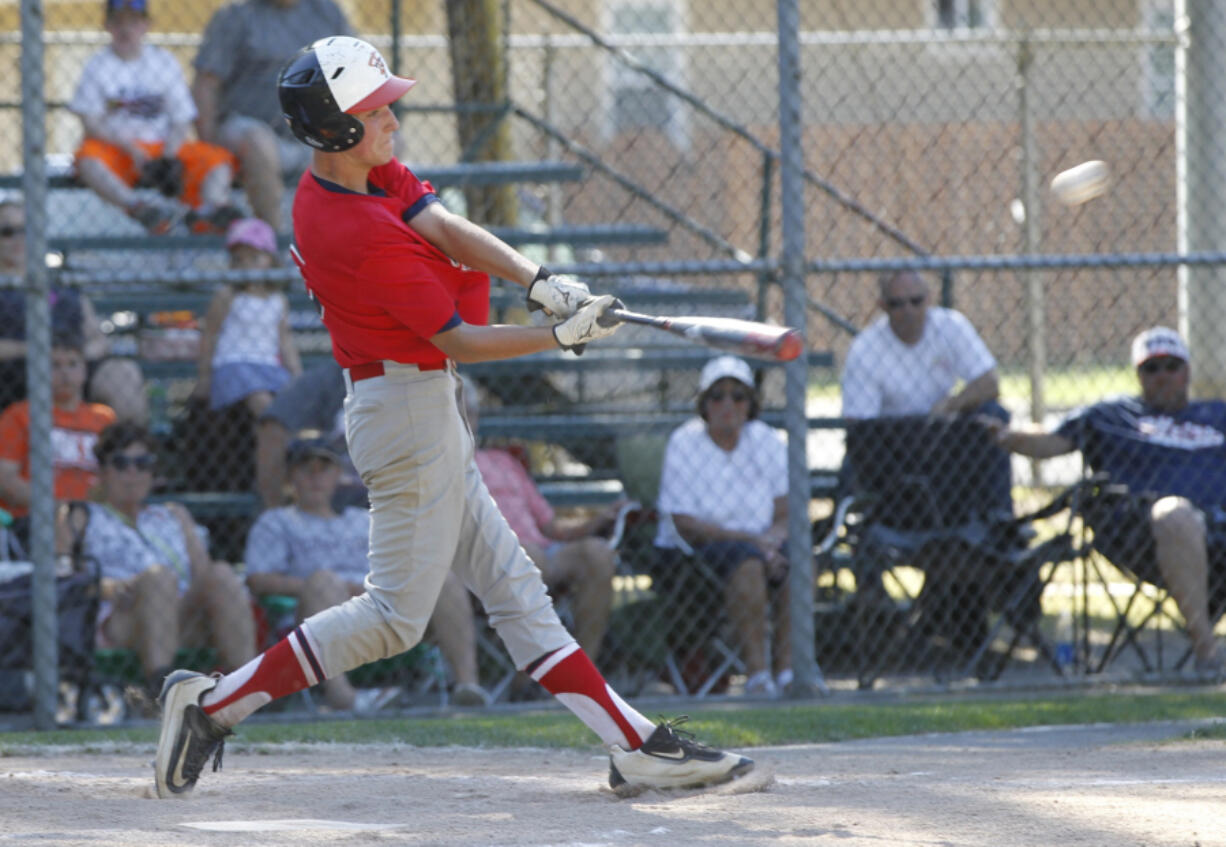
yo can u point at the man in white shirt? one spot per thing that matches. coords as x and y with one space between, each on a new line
912 359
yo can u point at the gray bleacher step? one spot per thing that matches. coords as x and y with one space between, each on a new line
579 235
460 174
605 360
145 300
620 359
563 428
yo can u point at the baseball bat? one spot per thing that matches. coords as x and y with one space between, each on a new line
748 338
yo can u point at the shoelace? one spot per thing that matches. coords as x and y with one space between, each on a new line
684 738
192 769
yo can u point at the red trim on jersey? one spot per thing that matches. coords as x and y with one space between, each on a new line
382 289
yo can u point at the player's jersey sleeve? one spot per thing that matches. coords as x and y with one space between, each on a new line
399 181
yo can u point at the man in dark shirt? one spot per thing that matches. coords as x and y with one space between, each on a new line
1171 453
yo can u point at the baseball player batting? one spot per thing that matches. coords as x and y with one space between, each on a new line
403 288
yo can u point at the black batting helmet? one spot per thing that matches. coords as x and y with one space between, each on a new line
326 82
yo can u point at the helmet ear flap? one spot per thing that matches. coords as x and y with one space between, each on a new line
340 131
332 133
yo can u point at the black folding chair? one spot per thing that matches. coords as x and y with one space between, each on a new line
932 495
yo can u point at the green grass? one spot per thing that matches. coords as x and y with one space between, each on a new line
1072 387
1063 388
718 725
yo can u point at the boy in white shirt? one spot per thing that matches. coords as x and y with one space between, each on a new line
137 111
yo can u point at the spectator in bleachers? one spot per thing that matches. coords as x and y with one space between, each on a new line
911 359
1170 452
312 552
137 112
312 401
572 558
247 351
160 590
723 499
75 427
111 381
923 360
244 47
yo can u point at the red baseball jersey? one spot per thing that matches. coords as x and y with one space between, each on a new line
383 291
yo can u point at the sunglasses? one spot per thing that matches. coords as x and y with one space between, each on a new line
737 396
1167 364
144 462
899 302
10 231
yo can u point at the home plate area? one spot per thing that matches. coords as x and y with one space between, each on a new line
1138 784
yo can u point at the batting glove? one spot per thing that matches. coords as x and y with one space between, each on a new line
561 296
589 323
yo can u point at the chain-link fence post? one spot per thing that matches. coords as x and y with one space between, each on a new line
38 354
800 544
1203 190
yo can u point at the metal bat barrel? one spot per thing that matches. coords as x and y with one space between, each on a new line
749 338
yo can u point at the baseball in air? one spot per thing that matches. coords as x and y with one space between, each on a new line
1082 183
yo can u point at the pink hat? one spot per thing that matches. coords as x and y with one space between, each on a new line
254 233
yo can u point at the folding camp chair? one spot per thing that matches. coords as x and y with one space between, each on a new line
928 533
682 622
1146 606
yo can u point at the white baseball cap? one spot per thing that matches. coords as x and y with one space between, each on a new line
357 76
1158 341
725 366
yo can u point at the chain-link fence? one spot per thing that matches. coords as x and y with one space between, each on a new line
637 142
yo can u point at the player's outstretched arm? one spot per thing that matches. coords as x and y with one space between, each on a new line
469 244
475 343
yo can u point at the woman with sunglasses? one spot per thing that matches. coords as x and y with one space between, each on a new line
160 589
723 500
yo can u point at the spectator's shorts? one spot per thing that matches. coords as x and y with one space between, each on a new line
197 157
722 557
1125 538
236 380
295 156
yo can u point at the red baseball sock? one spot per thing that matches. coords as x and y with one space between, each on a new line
289 665
569 675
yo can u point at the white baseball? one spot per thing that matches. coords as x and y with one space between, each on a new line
1082 183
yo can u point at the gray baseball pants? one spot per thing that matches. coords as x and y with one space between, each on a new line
430 513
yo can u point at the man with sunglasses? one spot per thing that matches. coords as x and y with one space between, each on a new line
911 359
1170 452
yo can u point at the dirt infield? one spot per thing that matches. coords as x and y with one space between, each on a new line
1100 785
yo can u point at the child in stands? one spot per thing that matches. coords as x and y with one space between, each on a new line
247 351
137 111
